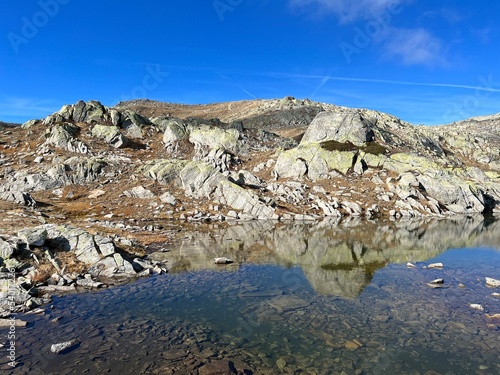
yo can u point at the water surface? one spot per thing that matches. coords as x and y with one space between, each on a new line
299 299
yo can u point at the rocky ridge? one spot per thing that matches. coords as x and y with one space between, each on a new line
142 169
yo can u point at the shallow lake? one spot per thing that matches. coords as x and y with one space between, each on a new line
329 298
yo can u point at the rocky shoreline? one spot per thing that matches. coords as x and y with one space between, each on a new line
86 190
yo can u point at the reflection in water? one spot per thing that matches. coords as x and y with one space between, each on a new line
337 259
301 299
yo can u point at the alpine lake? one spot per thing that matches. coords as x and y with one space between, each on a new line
348 297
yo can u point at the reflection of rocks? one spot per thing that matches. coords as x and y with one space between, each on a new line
337 259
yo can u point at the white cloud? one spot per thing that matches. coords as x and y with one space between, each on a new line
348 10
410 46
414 47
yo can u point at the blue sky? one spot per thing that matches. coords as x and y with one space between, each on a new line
424 61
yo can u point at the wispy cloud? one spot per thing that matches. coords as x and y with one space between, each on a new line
347 10
410 46
414 47
23 109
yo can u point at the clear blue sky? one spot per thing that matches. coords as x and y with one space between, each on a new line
425 61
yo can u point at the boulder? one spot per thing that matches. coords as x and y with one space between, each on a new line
139 192
163 170
63 136
205 136
33 236
245 178
457 195
175 130
77 240
202 181
168 198
6 249
111 134
313 159
340 127
133 123
91 111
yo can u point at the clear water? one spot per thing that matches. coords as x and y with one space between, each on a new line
343 302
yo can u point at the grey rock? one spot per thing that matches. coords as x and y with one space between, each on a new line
205 136
168 198
74 239
105 244
457 195
63 346
202 181
6 249
163 170
245 178
33 236
111 134
340 127
139 192
175 131
63 136
133 123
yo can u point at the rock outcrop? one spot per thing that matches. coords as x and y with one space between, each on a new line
366 163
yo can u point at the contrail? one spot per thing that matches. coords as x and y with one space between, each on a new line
386 81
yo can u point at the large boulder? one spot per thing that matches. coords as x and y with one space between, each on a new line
205 136
314 160
163 170
133 123
340 127
88 249
91 111
457 195
203 181
63 136
110 134
175 130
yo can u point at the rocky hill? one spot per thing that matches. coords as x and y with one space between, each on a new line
141 169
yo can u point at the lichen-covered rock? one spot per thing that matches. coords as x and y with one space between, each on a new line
63 136
314 159
458 196
6 249
205 136
163 170
175 130
340 127
133 123
111 134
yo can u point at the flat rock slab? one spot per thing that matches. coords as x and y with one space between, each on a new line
218 368
288 303
12 322
174 355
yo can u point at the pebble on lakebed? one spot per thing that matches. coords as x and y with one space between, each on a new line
435 265
492 282
476 306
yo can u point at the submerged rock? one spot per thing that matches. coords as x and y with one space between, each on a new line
63 346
